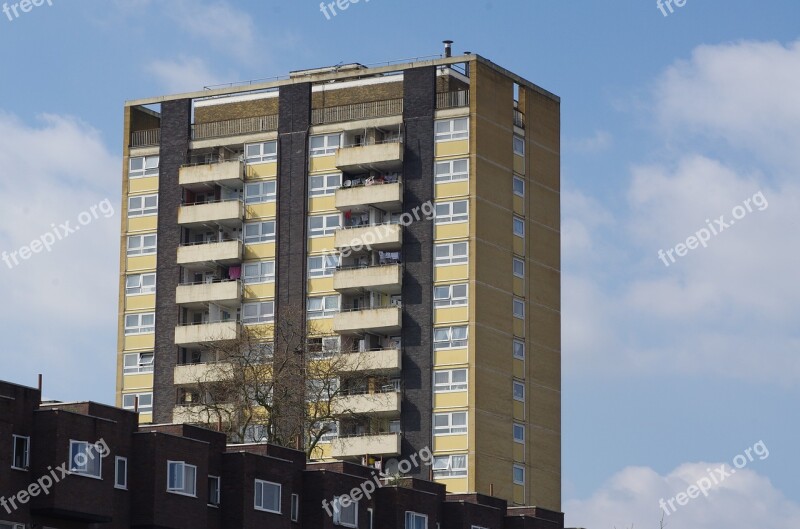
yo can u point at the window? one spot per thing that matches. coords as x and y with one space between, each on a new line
519 349
261 152
452 170
329 429
322 307
519 475
268 496
519 267
519 433
137 363
140 284
325 184
519 145
519 186
295 511
181 478
140 323
449 254
10 525
141 166
519 391
322 265
22 452
262 312
324 347
145 402
325 144
452 466
214 490
450 295
259 192
256 232
450 212
449 380
120 473
519 227
370 516
85 459
261 272
450 337
142 244
345 516
450 423
323 225
142 205
416 521
519 308
452 129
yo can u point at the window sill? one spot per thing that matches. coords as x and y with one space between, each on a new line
259 509
82 475
20 469
177 493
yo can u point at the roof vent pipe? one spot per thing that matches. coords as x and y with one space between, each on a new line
448 48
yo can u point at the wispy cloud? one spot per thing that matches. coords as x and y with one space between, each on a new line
185 74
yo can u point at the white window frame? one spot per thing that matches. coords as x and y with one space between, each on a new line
258 503
144 210
141 289
261 192
371 516
145 171
329 346
325 311
141 366
414 517
327 145
450 299
326 189
448 471
265 152
144 247
326 230
266 232
263 273
450 385
183 474
329 264
264 313
518 428
518 144
450 428
216 500
514 475
518 308
451 258
294 509
445 171
86 469
337 512
451 343
121 483
26 454
518 226
140 328
517 385
518 181
517 264
518 349
445 212
143 408
446 130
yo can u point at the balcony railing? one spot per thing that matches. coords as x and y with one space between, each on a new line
373 109
455 99
519 119
145 138
234 127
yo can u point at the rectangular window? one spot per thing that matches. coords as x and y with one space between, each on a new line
449 380
345 516
370 514
519 349
322 265
519 227
261 152
268 496
450 423
519 433
325 144
142 166
519 475
519 186
324 185
519 267
85 459
295 512
519 391
452 170
22 452
450 295
137 363
181 478
323 225
519 145
416 521
324 347
322 306
259 192
329 430
259 312
143 205
519 308
142 244
450 254
452 129
450 337
256 232
453 466
120 473
145 402
140 323
452 212
214 490
136 284
261 272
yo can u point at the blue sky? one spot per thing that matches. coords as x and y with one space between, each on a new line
666 122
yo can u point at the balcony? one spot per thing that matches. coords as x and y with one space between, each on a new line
193 335
225 253
193 373
382 278
229 173
224 293
234 127
387 156
373 404
375 236
383 320
387 197
227 213
383 444
455 99
357 111
378 361
146 138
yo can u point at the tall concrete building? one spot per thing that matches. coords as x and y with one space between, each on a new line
411 210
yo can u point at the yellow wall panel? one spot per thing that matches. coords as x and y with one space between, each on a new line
519 205
145 418
456 399
452 189
518 368
320 244
519 245
450 273
322 204
141 262
455 485
265 210
259 291
448 315
148 223
320 285
142 302
452 148
449 443
261 170
449 357
459 230
519 452
519 410
519 327
519 286
137 382
142 185
519 164
519 494
140 341
265 250
321 326
322 164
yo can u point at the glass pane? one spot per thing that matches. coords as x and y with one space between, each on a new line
441 292
459 291
460 375
137 164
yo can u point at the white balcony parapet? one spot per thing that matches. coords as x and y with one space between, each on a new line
382 444
222 173
383 278
225 252
206 332
381 320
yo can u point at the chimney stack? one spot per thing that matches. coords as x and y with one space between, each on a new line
448 48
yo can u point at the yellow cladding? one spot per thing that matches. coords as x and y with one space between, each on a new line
137 382
449 315
449 357
454 399
141 262
140 341
452 189
264 250
450 273
519 205
141 302
449 443
148 223
454 485
519 327
518 368
519 452
145 418
519 410
322 163
320 285
258 171
451 148
142 185
322 451
266 210
519 164
458 230
519 286
259 291
321 244
321 204
323 326
519 494
519 245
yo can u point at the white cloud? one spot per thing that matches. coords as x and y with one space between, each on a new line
600 141
185 74
217 24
